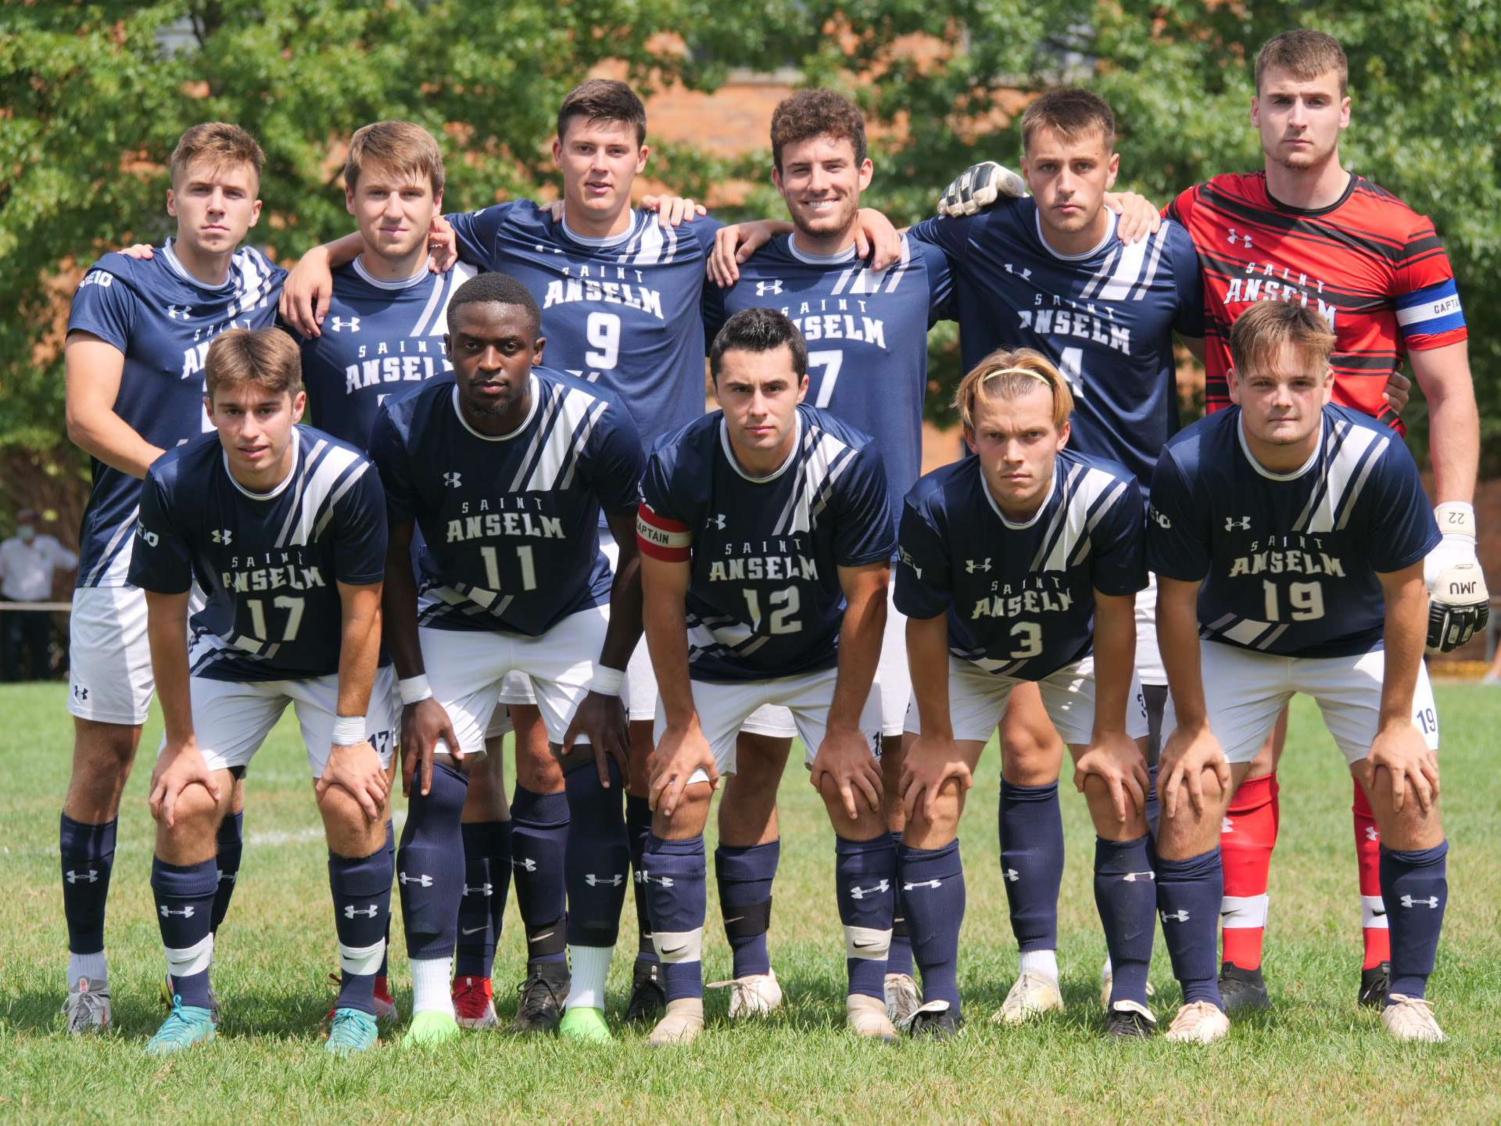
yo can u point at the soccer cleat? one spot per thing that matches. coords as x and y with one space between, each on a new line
935 1019
585 1025
681 1024
1031 996
648 998
1411 1019
166 991
1201 1022
1243 991
866 1016
1130 1021
542 996
87 1007
185 1026
386 1008
352 1031
754 995
1107 986
430 1028
1374 983
474 1002
902 997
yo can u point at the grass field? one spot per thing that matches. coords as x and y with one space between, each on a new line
1314 1058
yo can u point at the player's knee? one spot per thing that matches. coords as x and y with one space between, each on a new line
688 817
537 768
1103 812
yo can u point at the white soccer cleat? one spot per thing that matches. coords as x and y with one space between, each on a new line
1031 996
681 1025
754 995
1410 1019
867 1017
902 997
1199 1023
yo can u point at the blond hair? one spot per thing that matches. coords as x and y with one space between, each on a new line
266 357
1009 375
219 142
398 146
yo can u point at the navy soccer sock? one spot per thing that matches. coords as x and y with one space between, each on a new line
933 888
638 828
184 910
1125 892
1188 900
539 842
487 879
231 846
430 866
676 879
390 846
864 872
598 856
361 888
899 957
1032 862
1415 888
745 876
88 857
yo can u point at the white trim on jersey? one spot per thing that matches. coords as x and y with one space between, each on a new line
532 390
410 282
1090 253
280 486
729 453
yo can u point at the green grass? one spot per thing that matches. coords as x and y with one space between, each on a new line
1314 1058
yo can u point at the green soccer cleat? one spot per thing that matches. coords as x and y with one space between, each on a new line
585 1026
430 1028
185 1026
352 1031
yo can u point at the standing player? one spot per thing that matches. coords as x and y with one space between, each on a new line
284 529
868 367
1022 564
1306 230
137 338
505 469
1290 535
767 541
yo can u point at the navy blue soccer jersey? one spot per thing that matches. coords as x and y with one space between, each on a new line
510 523
622 311
269 563
380 338
867 334
764 599
1020 596
163 320
1289 562
1105 317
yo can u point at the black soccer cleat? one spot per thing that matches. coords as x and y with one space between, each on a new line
542 996
1242 991
934 1019
1129 1021
648 998
1374 984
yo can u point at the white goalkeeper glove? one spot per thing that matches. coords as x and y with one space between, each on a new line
979 186
1458 601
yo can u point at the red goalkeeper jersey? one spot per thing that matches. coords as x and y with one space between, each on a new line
1370 264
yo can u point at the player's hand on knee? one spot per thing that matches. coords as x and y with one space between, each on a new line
846 759
356 769
1459 603
1186 755
978 187
930 764
600 719
443 245
876 239
423 726
1115 759
681 754
673 210
1139 216
305 293
733 245
1410 766
176 770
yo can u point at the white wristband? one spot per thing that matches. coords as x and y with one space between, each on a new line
348 730
1456 518
414 689
607 681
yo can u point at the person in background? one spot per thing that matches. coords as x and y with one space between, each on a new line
29 562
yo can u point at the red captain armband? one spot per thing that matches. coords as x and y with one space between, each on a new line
662 538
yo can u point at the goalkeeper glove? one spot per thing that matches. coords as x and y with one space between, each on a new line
1458 601
979 186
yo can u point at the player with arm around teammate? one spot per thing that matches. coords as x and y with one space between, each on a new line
766 542
284 528
1289 535
1021 564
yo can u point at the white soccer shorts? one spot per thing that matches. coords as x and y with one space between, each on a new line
723 708
466 669
515 689
892 686
1245 691
977 699
109 655
640 677
1149 668
231 718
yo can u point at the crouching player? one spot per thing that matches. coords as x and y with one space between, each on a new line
284 529
1020 564
1289 535
766 541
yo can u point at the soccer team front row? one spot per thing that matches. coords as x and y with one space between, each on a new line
755 545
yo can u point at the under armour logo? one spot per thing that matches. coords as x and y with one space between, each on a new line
89 877
179 312
185 912
1024 274
80 692
774 285
1179 916
526 864
1137 877
604 881
350 911
660 881
1237 523
222 535
481 889
345 324
1372 833
1011 875
453 480
1226 826
970 566
716 521
1431 902
858 892
1235 238
423 880
908 885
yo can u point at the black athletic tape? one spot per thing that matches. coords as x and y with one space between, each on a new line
549 939
749 920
